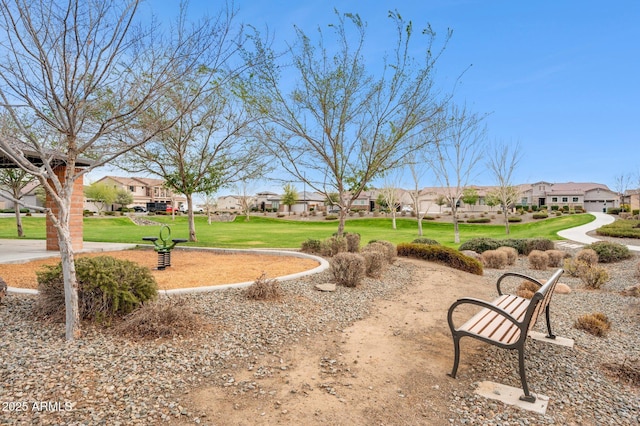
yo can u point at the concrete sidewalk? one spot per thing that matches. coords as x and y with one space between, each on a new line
20 251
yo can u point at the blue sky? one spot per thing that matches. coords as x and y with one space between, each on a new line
559 77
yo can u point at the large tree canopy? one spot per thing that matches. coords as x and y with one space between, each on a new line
335 123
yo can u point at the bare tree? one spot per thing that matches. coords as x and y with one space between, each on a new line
207 149
621 184
390 195
502 162
460 139
341 126
417 173
76 77
247 201
14 182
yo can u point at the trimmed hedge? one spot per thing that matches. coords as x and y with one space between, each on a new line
440 254
621 228
423 240
524 246
479 220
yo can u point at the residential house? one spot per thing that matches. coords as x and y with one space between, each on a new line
143 190
229 203
592 197
632 198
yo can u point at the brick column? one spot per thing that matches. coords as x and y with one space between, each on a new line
77 205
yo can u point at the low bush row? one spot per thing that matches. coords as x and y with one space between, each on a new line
523 246
621 229
441 254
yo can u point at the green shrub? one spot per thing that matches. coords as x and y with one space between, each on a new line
479 220
494 259
597 324
107 288
613 210
593 277
610 252
353 242
538 260
423 240
311 246
542 244
512 219
332 246
348 269
479 245
331 217
573 266
375 263
627 228
518 244
540 215
441 254
264 288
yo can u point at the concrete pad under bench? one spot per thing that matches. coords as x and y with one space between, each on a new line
560 341
511 396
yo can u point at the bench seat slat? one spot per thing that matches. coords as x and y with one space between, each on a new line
491 325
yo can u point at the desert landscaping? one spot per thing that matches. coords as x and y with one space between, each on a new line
374 354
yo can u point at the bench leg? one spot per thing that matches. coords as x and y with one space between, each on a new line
550 335
527 395
456 357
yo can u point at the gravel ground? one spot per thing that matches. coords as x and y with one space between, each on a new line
108 379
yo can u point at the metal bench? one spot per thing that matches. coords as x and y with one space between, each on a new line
506 321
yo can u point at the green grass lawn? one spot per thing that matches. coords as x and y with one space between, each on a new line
262 232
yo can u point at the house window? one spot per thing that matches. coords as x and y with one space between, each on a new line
523 201
132 188
554 199
575 199
565 199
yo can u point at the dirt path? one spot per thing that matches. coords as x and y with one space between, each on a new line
389 368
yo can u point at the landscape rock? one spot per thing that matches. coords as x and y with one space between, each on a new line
562 288
329 287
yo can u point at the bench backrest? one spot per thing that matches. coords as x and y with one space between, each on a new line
541 298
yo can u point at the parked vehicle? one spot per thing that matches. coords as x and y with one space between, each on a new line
139 209
157 207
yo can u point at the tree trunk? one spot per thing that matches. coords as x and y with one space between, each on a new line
341 223
506 221
419 225
16 207
191 219
393 219
67 259
456 229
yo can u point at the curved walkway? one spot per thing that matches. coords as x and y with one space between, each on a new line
579 233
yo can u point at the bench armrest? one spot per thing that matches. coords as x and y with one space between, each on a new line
515 274
483 304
